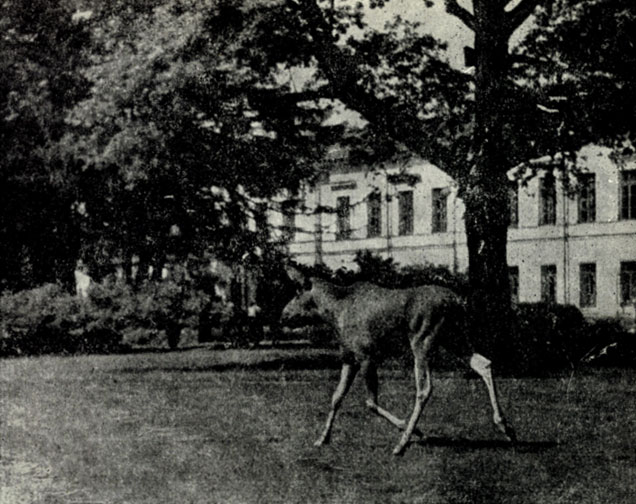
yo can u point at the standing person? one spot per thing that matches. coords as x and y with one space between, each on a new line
255 322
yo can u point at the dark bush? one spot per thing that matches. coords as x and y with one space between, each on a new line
47 319
50 320
154 312
547 338
608 343
387 273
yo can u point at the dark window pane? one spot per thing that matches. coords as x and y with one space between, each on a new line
343 211
260 220
513 204
628 282
587 277
587 197
405 202
628 195
440 196
513 277
289 220
547 200
548 283
374 214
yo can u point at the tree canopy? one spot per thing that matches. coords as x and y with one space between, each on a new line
122 119
41 52
578 59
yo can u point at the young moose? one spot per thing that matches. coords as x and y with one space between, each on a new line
370 321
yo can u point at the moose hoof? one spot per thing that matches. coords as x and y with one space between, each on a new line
508 432
399 449
511 436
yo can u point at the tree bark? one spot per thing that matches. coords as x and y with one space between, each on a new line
486 191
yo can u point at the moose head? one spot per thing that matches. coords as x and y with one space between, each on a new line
307 306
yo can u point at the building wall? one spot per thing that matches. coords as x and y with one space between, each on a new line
607 241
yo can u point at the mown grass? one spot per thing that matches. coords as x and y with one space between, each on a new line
238 426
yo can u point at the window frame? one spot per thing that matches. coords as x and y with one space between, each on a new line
547 200
439 216
587 297
513 205
289 220
514 282
627 195
549 274
374 215
343 218
405 213
627 282
261 219
587 193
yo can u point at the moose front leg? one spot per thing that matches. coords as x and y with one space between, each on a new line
370 372
347 374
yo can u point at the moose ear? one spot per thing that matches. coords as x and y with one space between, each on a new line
294 274
298 277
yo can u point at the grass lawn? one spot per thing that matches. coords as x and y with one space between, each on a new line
200 426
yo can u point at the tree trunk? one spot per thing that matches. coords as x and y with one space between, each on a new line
486 195
486 230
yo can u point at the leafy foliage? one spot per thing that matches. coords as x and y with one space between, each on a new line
177 108
49 320
41 51
578 58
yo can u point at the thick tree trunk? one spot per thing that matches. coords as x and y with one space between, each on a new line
486 195
486 230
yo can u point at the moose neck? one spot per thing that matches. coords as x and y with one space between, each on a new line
330 299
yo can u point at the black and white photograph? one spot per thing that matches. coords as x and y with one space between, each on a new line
317 251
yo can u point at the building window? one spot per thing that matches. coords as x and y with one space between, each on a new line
260 220
587 277
513 204
289 220
587 197
548 283
513 278
547 200
440 197
343 223
405 212
628 282
628 195
374 214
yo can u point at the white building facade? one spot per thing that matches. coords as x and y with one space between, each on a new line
569 243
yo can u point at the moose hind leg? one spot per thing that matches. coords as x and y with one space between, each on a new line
423 392
347 374
482 367
370 372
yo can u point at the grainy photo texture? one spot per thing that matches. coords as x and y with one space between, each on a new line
317 251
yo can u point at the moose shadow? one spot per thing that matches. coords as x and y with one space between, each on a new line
461 444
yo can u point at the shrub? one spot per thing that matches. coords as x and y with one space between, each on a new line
47 319
608 343
547 338
387 273
152 312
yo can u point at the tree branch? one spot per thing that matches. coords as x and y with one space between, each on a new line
454 9
346 74
520 13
